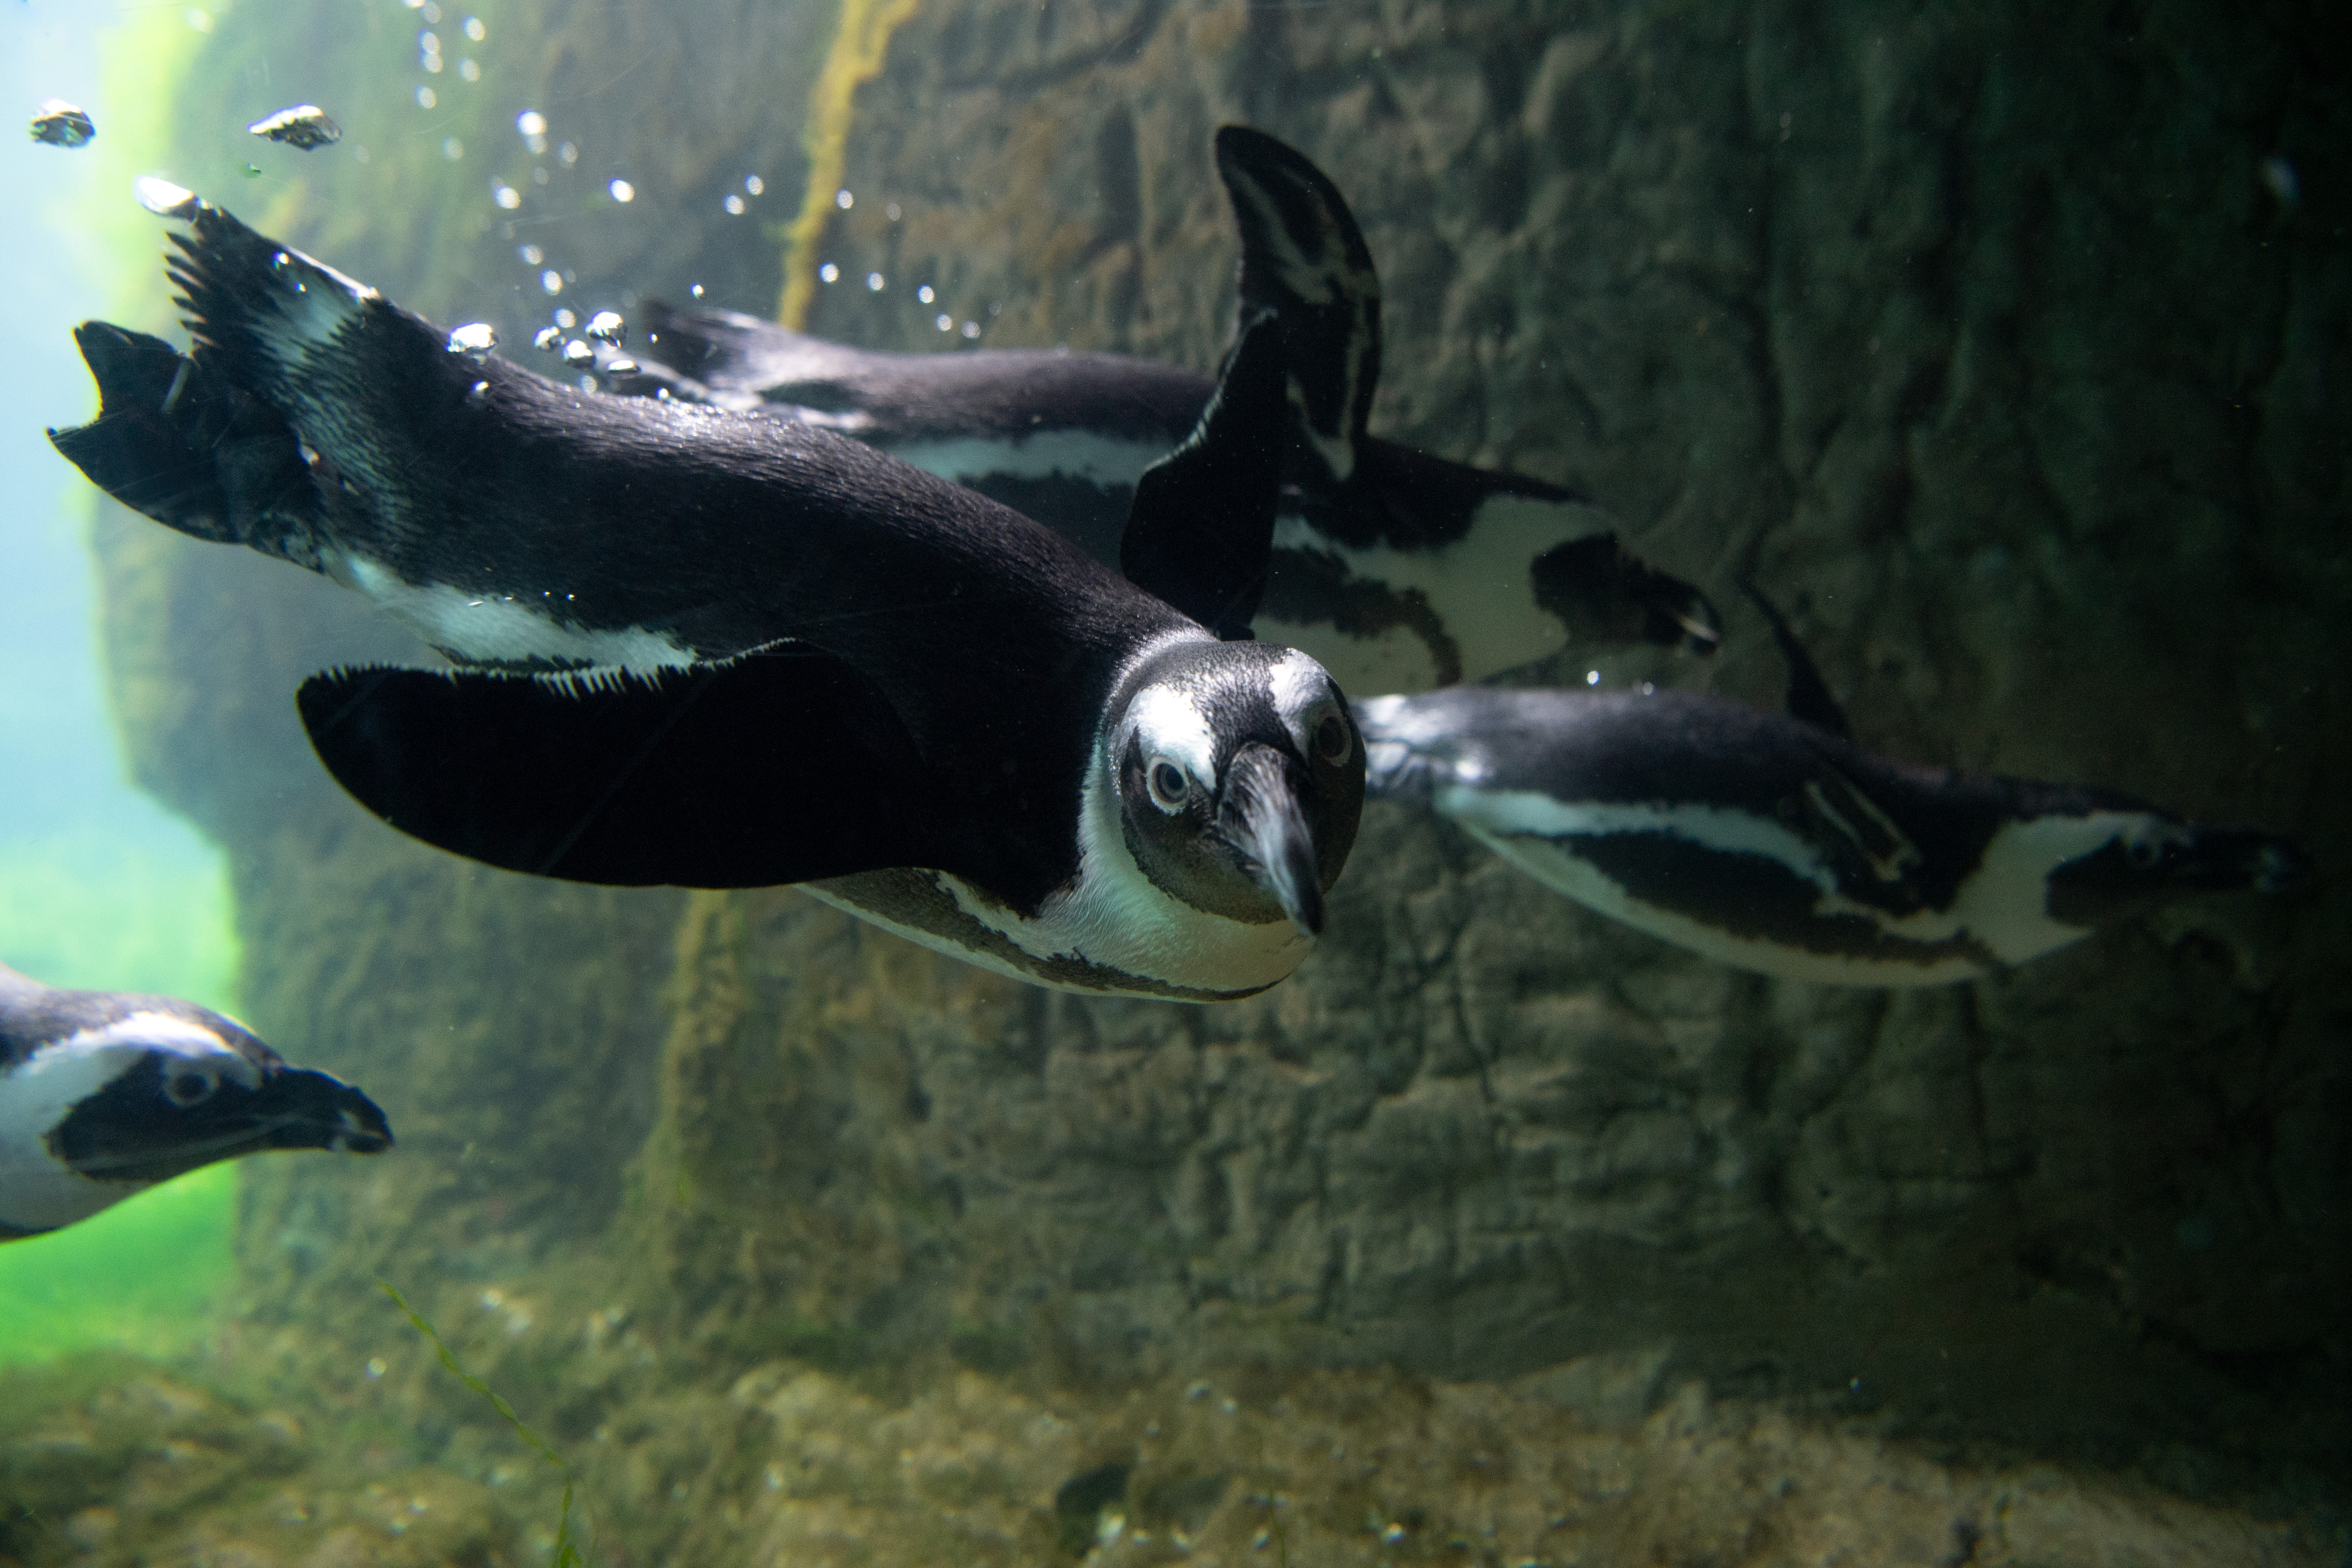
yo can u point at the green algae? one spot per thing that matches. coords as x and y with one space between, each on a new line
567 1553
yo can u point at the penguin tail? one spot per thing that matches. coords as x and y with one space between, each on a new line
259 311
180 445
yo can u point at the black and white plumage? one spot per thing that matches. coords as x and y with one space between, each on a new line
1775 845
798 659
105 1093
1397 569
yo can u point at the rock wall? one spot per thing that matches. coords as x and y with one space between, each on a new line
2009 349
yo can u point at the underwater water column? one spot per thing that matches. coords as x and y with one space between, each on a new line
101 886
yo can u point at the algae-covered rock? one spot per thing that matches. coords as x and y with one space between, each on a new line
107 1461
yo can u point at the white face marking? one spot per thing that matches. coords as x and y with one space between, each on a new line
1481 587
1167 722
1049 453
1300 686
500 630
36 1192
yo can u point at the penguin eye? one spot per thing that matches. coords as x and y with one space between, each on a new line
1333 742
1167 784
2142 853
190 1086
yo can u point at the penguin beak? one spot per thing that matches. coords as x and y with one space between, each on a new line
1264 824
299 1109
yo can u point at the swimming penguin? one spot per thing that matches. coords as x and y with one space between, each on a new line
1777 845
105 1093
803 661
1396 569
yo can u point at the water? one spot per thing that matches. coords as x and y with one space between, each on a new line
2005 355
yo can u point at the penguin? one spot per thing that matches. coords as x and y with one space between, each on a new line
105 1093
1398 570
708 649
1775 844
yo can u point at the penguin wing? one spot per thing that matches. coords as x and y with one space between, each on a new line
1201 527
1304 259
1809 698
784 765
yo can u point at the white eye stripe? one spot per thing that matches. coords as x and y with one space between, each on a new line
1169 723
1301 685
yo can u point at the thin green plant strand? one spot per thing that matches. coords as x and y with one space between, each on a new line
567 1555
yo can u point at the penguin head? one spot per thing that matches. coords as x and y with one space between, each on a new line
1240 776
2149 858
159 1088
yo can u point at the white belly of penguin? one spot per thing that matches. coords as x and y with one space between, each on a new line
505 628
1535 832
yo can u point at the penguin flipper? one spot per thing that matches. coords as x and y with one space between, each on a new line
1200 532
737 359
784 765
178 443
1809 695
1304 257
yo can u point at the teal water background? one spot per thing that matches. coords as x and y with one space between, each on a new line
100 887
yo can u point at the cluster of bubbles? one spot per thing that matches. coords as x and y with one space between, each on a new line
876 283
429 56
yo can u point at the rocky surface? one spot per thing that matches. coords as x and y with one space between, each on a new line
1997 344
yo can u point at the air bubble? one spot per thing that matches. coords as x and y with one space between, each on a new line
478 394
532 123
577 352
733 204
531 254
567 155
547 339
890 210
753 184
303 128
1592 678
166 199
565 318
696 291
552 280
622 190
506 196
473 340
972 329
606 326
925 294
620 365
475 30
424 99
844 200
874 282
944 321
452 149
469 69
829 273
